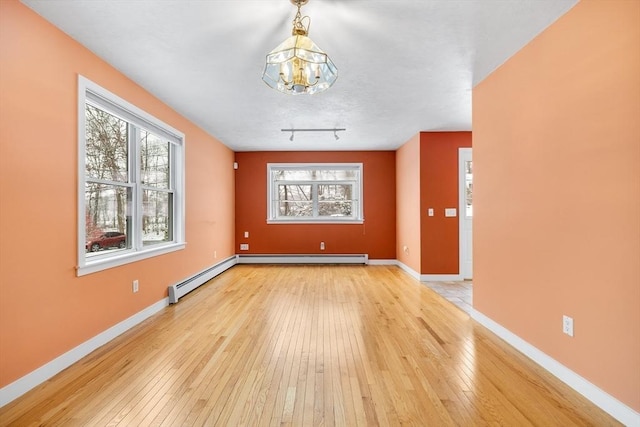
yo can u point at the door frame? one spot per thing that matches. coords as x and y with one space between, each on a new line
464 154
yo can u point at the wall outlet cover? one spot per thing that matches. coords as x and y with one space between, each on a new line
567 325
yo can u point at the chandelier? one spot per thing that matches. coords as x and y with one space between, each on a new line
298 66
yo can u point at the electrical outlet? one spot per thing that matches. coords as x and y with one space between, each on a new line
322 246
215 254
135 286
567 325
244 246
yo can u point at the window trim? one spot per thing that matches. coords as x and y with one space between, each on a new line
113 104
272 218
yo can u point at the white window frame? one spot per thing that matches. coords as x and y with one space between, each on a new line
97 96
272 193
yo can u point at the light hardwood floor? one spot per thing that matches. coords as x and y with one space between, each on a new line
306 345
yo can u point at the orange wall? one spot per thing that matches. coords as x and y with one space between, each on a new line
408 203
45 310
439 190
375 237
556 135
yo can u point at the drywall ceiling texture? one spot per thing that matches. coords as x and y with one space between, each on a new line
404 65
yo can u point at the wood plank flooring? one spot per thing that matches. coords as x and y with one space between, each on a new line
306 346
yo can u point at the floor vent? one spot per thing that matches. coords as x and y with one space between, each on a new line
304 259
181 289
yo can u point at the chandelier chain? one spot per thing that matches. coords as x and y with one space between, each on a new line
298 26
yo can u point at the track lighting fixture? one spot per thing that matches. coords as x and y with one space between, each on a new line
334 130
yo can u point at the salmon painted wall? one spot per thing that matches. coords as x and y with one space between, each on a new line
45 310
408 203
439 190
556 135
375 237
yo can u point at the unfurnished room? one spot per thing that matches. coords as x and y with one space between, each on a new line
320 212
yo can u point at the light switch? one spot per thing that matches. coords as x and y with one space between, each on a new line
449 212
246 234
430 212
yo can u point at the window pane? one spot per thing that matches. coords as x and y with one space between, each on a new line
294 192
295 200
154 160
334 192
315 175
335 209
106 218
335 200
337 175
292 175
469 188
295 209
157 217
106 154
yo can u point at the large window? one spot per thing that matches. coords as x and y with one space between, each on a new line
315 192
130 202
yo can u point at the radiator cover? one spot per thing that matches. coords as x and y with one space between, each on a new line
304 259
184 287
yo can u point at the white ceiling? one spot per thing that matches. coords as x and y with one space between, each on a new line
405 66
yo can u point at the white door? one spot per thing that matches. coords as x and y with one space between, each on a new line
465 185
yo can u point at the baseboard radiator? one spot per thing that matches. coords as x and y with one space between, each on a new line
304 259
179 290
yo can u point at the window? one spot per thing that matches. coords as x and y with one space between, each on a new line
131 175
468 188
315 192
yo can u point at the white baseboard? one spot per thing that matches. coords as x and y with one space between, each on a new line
304 259
22 385
599 397
415 274
441 277
409 270
383 262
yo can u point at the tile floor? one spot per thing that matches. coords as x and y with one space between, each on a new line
459 293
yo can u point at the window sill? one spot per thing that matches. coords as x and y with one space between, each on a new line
94 266
312 221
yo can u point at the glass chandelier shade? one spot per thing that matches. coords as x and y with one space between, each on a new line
298 66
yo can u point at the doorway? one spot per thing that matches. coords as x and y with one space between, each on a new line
465 191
